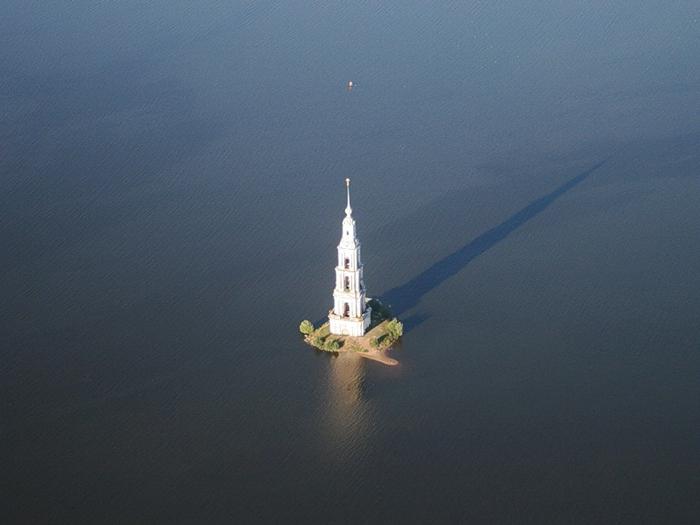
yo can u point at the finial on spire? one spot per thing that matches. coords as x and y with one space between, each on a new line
348 209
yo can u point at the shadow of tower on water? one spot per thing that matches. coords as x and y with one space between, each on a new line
408 295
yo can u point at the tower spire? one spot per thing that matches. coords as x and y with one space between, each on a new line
348 209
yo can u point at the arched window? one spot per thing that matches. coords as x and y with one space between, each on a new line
347 284
347 263
346 310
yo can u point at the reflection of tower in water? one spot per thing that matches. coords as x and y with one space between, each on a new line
347 416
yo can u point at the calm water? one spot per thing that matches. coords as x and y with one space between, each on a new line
526 181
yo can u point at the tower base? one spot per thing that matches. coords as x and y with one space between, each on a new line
354 326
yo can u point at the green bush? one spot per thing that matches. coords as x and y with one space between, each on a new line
306 327
394 329
374 342
332 345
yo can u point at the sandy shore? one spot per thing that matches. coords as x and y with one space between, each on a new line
379 355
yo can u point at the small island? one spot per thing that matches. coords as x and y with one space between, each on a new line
384 331
355 324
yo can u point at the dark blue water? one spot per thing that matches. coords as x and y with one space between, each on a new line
526 181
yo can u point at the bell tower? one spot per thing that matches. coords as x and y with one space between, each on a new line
350 314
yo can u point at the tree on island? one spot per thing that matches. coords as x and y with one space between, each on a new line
306 327
394 329
331 345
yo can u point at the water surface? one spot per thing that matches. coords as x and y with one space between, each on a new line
525 181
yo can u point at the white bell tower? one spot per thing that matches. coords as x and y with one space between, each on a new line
350 314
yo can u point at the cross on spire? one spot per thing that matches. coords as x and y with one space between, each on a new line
348 209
